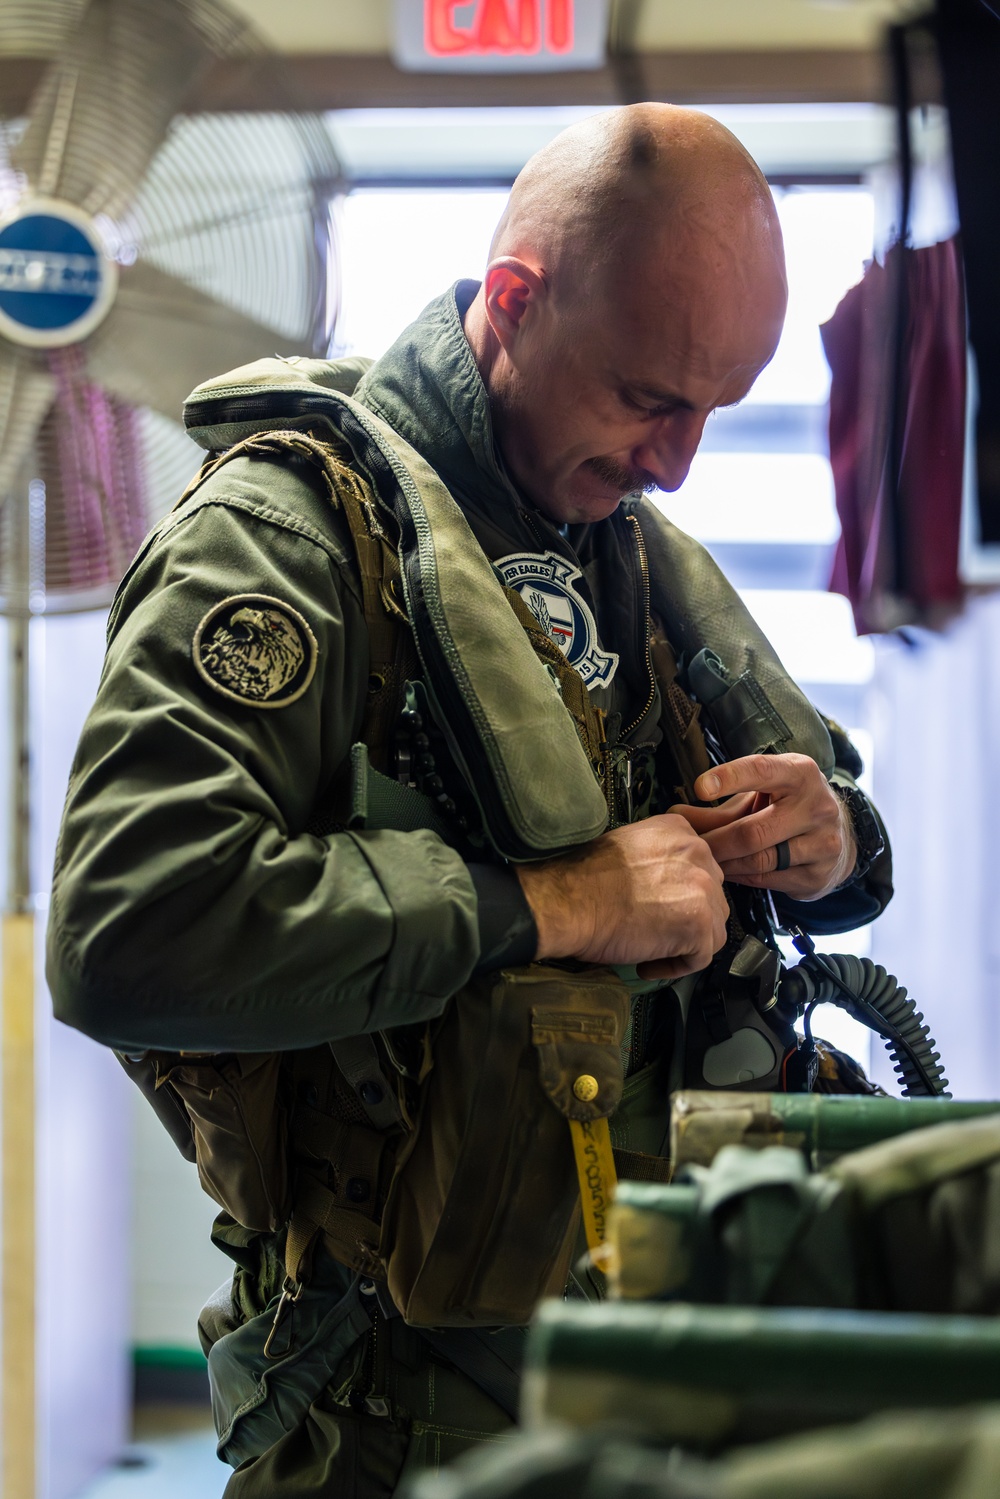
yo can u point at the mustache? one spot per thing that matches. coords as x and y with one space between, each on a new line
620 477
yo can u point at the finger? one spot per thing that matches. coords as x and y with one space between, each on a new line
799 883
705 819
766 862
775 774
679 964
758 832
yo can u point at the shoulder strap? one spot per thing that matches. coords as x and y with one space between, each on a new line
392 656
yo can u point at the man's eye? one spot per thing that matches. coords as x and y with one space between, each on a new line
645 407
636 403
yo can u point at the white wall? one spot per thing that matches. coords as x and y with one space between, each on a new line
83 1130
175 1266
127 1257
938 730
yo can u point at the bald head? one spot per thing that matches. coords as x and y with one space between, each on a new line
636 282
648 180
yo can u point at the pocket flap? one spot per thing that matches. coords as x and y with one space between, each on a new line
579 1050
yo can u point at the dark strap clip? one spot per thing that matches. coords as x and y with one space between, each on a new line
290 1293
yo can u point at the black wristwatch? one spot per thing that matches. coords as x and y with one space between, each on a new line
865 826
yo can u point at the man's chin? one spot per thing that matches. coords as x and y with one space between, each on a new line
595 510
590 505
581 504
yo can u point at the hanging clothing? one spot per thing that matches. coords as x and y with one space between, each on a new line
897 462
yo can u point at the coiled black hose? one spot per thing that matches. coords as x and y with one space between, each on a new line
867 992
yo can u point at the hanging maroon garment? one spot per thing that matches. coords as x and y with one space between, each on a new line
897 561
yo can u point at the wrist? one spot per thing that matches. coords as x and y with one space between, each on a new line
554 907
867 840
850 856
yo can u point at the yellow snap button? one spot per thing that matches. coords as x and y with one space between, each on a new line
586 1087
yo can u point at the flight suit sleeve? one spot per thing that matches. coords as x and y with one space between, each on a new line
192 907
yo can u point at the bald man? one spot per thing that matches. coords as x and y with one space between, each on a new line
395 837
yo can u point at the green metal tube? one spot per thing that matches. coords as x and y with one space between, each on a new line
707 1375
837 1123
823 1126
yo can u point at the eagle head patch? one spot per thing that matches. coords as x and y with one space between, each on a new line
256 650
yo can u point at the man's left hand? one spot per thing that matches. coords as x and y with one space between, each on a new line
780 810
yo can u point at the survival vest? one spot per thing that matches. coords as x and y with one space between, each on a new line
437 1158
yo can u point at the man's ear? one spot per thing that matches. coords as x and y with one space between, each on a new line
510 288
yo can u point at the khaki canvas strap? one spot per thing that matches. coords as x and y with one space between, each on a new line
392 655
353 1233
577 701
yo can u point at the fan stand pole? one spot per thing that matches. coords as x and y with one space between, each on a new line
17 1072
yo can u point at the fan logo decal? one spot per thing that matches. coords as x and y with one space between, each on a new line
546 582
256 650
57 282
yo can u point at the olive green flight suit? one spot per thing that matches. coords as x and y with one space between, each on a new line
196 908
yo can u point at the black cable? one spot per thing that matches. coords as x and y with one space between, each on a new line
870 1014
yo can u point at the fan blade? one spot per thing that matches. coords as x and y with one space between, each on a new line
106 100
162 337
92 458
26 395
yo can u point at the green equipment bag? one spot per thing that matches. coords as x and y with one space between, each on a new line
927 1454
909 1224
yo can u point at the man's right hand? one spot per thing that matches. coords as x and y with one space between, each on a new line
648 894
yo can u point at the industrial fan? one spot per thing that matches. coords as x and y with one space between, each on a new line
141 250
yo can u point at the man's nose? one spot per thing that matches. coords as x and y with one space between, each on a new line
669 449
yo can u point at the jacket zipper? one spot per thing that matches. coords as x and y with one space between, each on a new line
640 547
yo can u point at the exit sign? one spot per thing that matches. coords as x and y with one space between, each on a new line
500 36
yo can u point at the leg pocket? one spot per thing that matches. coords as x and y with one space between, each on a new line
330 1455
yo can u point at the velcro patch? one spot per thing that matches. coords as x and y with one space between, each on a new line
256 650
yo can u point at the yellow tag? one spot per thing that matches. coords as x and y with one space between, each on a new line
595 1166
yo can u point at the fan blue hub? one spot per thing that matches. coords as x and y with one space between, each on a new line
57 282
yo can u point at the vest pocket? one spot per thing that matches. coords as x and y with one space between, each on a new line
240 1126
481 1215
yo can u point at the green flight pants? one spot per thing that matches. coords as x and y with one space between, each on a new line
421 1413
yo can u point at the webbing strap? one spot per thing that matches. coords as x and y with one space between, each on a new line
595 1168
298 1246
377 801
635 1166
358 1060
355 1235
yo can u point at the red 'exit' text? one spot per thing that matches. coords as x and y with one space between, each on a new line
516 28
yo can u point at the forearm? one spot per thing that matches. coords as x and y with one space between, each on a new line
289 943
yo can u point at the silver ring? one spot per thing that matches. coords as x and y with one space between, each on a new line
784 855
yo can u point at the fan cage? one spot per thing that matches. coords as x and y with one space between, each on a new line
234 207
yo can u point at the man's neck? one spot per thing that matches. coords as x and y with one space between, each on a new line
482 340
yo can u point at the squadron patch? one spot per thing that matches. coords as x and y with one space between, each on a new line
545 582
256 650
